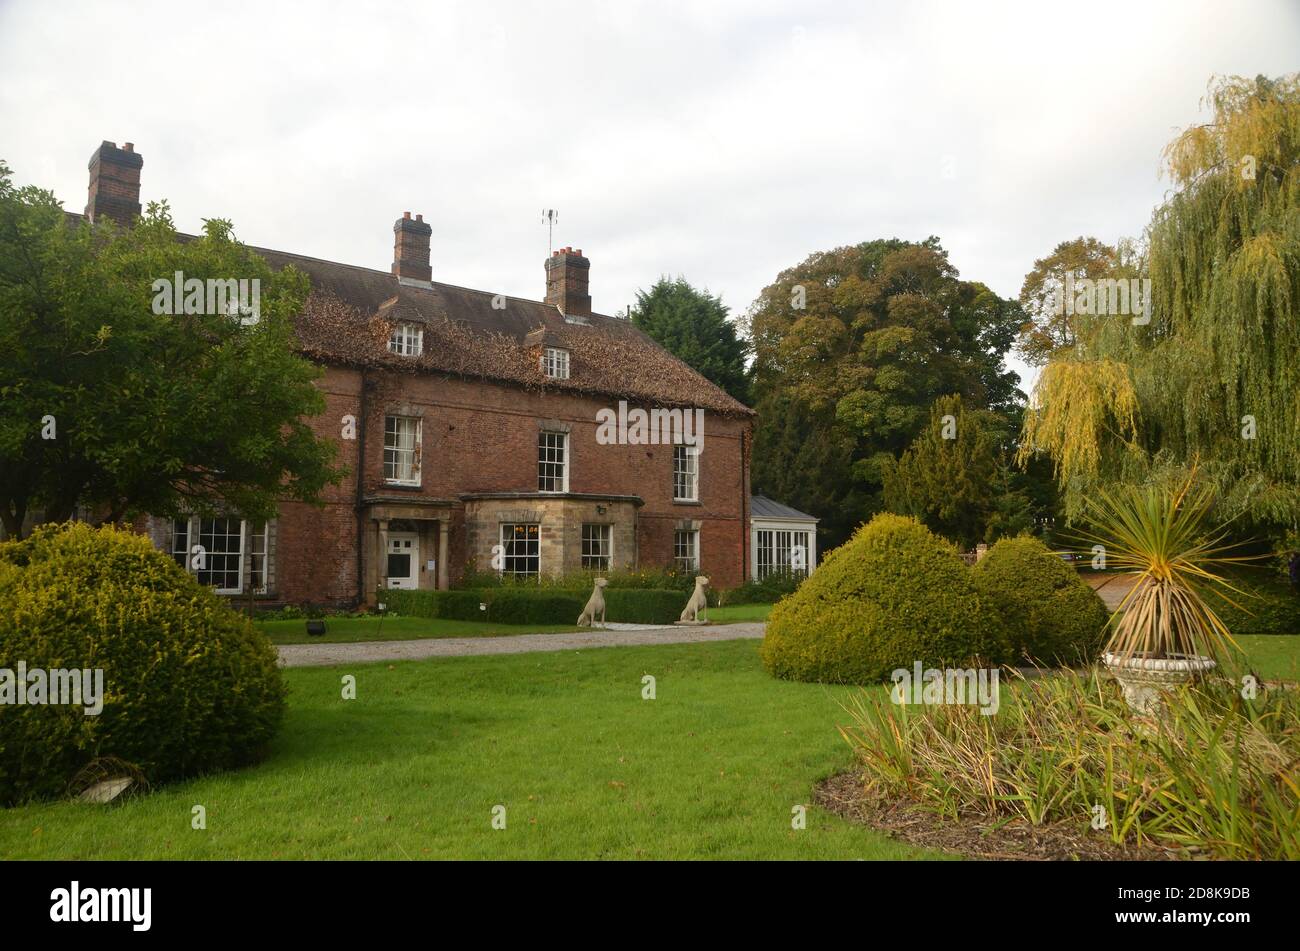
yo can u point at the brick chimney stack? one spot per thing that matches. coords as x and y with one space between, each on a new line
567 272
411 250
114 183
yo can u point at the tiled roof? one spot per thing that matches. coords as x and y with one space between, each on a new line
760 506
349 315
472 333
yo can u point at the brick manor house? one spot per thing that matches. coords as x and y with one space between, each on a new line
468 420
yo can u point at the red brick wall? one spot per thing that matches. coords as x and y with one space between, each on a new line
482 437
567 282
114 183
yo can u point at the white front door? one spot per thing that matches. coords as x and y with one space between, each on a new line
403 560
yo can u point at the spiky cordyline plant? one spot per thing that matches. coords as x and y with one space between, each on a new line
1159 533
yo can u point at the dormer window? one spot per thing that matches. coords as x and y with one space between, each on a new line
555 363
407 340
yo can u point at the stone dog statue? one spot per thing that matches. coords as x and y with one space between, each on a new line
595 605
698 601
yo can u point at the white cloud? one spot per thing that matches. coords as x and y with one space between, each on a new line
720 141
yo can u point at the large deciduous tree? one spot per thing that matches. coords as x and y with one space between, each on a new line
852 346
1213 380
1049 324
112 407
692 325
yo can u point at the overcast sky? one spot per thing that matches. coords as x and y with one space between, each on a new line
720 141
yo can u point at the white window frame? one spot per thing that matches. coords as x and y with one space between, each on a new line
686 473
180 541
406 340
555 362
771 542
182 544
775 554
605 542
690 562
508 553
550 456
395 453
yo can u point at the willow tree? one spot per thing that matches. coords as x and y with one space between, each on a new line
1212 378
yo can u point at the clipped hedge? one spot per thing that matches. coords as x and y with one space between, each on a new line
644 605
189 686
1271 607
1050 614
659 579
767 591
518 605
894 594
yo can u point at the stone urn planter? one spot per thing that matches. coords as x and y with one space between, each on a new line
1144 678
1164 633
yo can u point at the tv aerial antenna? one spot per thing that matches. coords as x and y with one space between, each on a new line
549 217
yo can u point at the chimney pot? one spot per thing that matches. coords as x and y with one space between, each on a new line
406 215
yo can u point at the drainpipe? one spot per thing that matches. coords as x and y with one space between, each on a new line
361 482
744 505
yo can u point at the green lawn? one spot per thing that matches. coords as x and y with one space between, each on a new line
584 766
563 740
738 612
1274 656
345 629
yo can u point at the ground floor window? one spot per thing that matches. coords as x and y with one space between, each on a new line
222 545
597 551
686 549
521 549
781 552
180 549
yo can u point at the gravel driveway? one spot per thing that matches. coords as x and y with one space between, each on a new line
327 655
1112 587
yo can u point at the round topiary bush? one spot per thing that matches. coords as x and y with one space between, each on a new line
894 594
1050 614
189 686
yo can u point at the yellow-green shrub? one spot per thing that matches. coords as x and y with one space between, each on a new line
892 595
189 686
1050 614
1216 771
